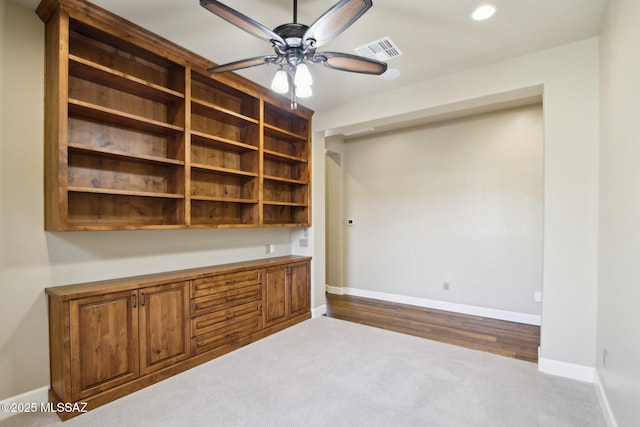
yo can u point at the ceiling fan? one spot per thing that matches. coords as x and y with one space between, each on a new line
295 44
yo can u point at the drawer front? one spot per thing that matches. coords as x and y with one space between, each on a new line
223 282
224 300
220 319
227 335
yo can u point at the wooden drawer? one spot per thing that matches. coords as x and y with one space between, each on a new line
228 334
224 300
224 282
213 321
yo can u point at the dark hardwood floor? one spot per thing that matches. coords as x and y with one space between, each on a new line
501 337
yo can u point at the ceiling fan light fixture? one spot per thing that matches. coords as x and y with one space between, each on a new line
280 83
295 43
303 91
483 12
302 76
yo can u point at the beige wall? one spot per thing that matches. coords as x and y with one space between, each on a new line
569 77
31 259
334 184
619 274
458 202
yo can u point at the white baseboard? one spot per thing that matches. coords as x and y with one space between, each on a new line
609 418
336 290
37 396
580 373
567 370
319 311
511 316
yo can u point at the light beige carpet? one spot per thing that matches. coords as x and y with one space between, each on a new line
329 372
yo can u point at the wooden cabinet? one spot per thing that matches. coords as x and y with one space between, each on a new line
110 338
226 308
286 292
115 337
104 343
163 313
139 136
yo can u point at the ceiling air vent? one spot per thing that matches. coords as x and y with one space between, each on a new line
382 50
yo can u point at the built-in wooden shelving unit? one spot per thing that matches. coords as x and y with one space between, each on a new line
139 136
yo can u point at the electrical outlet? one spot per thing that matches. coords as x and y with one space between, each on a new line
304 243
271 248
537 296
445 286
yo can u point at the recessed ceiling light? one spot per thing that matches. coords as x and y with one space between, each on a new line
483 12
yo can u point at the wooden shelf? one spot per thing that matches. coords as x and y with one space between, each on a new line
119 118
225 171
125 192
95 72
274 203
139 136
220 142
217 124
124 155
212 93
288 122
97 43
287 180
224 199
284 157
221 110
223 212
286 132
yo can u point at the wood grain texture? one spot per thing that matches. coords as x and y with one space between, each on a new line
104 342
510 339
113 337
275 295
134 122
164 326
300 291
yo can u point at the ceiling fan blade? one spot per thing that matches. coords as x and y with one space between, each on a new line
347 62
335 20
241 21
243 63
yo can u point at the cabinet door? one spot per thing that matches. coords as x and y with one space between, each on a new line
164 326
299 281
104 342
275 295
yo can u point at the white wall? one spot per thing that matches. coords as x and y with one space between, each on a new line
31 259
619 272
569 75
458 202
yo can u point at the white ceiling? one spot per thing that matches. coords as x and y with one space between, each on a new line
436 37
